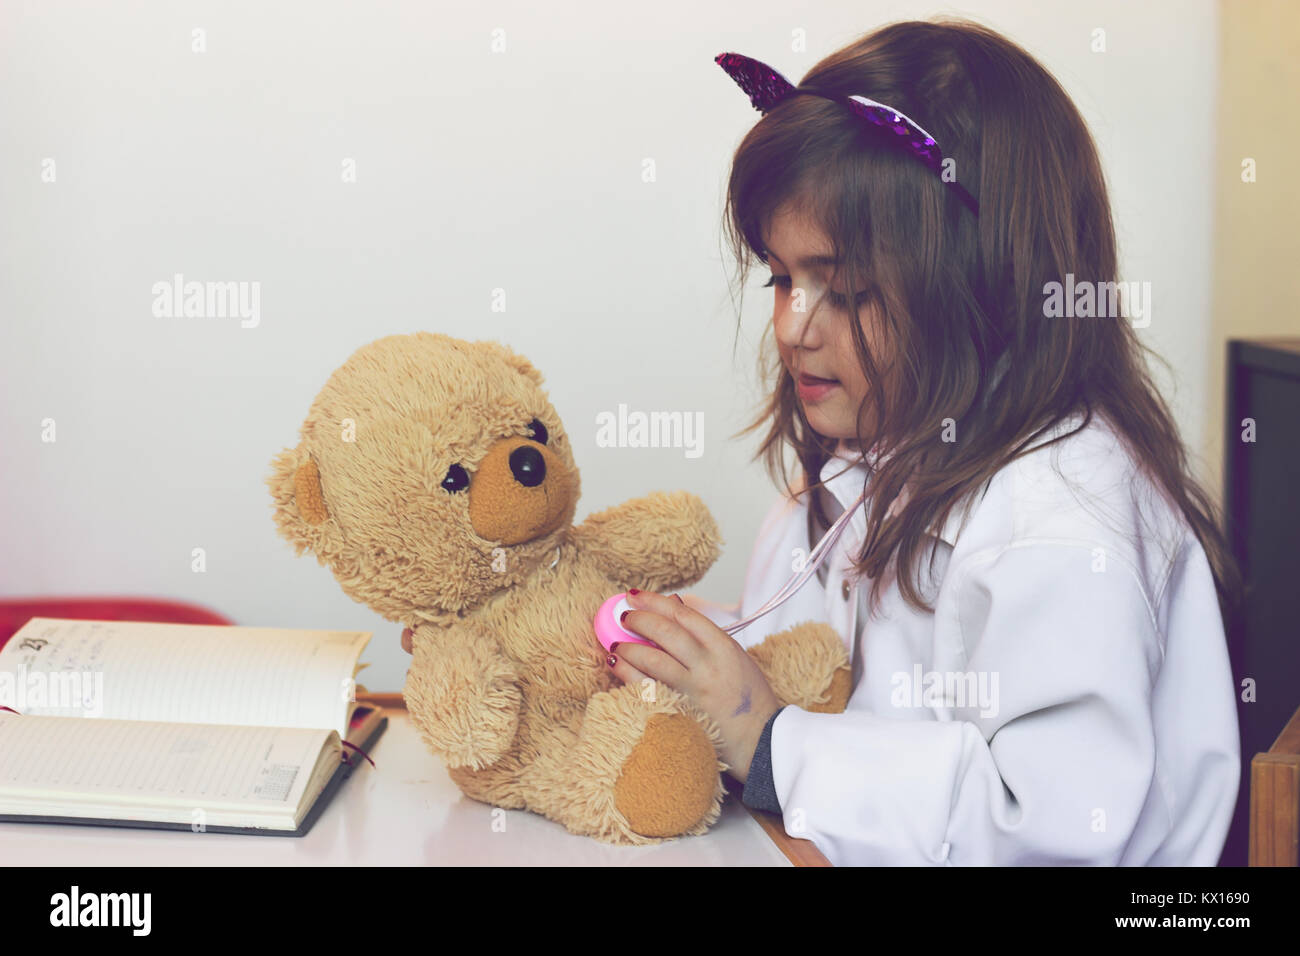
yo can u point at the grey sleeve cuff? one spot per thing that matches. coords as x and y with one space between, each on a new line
759 791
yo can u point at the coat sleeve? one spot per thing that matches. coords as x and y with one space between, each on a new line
1058 769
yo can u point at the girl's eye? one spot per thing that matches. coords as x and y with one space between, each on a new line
456 480
841 302
537 432
837 300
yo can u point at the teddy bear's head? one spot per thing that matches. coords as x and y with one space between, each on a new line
431 473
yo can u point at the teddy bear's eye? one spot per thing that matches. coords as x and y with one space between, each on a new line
456 480
537 431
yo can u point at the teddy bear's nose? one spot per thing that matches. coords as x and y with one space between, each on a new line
528 466
520 490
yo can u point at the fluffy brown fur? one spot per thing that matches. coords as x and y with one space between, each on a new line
507 682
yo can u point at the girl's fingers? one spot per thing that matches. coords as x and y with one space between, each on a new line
702 632
623 670
638 661
652 624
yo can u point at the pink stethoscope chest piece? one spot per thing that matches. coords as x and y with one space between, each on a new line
608 628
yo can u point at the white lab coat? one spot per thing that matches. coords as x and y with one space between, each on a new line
1106 729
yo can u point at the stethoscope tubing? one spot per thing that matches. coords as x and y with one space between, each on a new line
801 577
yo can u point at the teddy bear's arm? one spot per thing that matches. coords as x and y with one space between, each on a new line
664 541
463 694
806 666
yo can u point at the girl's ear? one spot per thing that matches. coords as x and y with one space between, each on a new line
300 511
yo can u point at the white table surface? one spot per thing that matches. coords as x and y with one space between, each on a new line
405 811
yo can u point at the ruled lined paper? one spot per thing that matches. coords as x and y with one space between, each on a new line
75 761
263 677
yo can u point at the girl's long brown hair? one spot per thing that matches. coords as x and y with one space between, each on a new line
956 295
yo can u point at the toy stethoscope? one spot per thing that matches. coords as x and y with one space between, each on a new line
609 630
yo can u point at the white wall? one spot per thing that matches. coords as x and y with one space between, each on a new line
1255 241
475 170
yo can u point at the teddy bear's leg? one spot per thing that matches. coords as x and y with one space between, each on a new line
643 767
806 666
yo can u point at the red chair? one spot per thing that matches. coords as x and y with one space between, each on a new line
15 612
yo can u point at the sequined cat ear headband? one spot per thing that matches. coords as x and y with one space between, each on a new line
766 87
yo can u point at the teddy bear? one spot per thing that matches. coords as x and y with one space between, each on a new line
435 480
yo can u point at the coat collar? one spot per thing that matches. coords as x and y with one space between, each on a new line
845 474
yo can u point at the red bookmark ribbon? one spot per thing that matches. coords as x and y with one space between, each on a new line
358 750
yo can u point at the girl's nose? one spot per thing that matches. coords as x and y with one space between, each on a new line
796 326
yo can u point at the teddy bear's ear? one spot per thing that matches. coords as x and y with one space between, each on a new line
299 504
515 361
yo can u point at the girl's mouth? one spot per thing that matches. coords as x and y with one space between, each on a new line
814 389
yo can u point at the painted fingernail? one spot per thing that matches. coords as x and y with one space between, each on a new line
623 617
613 647
611 660
633 591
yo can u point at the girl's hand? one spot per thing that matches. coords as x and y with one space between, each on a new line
705 663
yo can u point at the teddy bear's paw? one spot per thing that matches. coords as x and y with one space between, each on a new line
663 541
669 781
807 666
837 695
465 702
482 739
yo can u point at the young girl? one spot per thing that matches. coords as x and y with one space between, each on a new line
1031 594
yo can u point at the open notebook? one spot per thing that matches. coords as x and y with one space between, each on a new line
179 726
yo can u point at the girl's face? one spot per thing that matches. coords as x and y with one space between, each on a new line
811 320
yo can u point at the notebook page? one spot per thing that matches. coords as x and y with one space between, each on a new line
203 767
183 673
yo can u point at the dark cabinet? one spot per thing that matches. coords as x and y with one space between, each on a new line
1261 484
